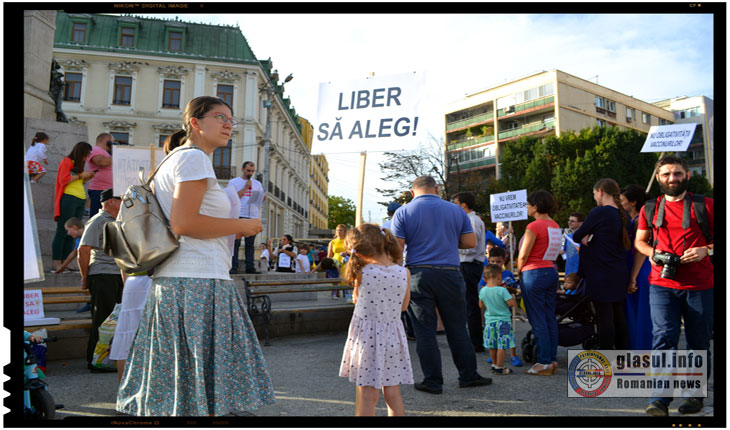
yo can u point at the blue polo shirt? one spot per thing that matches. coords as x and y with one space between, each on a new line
431 228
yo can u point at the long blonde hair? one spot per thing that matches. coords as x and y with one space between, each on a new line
369 240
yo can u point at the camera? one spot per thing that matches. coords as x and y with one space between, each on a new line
669 261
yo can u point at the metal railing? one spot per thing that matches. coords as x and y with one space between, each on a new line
488 161
476 119
470 142
524 106
527 128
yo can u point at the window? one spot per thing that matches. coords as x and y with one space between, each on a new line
127 37
645 118
600 102
225 93
120 138
222 161
546 90
163 138
72 90
78 32
600 122
630 114
663 121
610 105
174 42
122 90
171 94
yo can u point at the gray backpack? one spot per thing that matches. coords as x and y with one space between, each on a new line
141 238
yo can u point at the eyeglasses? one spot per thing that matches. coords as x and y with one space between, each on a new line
224 119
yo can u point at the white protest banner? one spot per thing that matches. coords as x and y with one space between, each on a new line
33 305
32 261
509 206
369 111
663 138
126 163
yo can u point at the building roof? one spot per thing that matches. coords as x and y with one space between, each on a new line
201 41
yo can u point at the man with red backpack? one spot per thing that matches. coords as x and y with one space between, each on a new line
675 232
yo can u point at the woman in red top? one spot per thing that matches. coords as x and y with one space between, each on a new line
539 279
69 199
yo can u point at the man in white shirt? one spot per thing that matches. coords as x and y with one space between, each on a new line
252 194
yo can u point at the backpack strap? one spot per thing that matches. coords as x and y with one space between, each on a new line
698 201
140 174
649 209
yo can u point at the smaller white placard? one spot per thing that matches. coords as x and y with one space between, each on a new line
33 305
665 138
509 206
126 162
555 236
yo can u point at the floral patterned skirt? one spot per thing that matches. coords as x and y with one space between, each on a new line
195 353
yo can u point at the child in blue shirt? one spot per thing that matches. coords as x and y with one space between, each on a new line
498 256
498 333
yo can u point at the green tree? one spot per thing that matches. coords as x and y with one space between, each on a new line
341 211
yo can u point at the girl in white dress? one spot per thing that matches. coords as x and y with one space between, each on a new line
36 155
376 354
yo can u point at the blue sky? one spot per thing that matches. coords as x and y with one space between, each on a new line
650 57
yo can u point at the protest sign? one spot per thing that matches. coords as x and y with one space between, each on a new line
663 138
32 261
33 304
509 206
367 112
126 163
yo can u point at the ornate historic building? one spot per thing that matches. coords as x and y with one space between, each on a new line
132 77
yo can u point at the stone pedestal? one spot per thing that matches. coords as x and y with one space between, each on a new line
62 138
39 27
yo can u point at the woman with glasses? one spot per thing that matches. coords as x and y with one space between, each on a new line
196 352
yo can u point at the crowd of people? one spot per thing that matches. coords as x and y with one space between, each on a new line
184 329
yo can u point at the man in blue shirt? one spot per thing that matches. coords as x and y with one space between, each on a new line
434 230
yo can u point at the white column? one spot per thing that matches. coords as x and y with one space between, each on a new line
199 87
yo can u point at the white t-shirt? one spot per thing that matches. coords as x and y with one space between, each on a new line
36 153
252 198
265 254
195 258
305 262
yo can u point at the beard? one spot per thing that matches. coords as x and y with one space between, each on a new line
675 191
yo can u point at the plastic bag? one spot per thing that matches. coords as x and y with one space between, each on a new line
106 335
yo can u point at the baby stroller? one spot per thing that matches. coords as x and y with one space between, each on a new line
576 324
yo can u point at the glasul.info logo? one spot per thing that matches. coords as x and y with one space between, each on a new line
589 373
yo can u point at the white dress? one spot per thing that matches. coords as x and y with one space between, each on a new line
134 297
376 353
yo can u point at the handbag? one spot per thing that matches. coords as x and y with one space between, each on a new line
141 238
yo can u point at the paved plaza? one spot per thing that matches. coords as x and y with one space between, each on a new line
304 370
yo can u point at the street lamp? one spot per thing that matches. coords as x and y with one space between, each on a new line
270 91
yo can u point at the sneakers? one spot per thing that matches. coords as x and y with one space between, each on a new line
516 361
252 272
480 381
420 386
489 360
691 406
657 409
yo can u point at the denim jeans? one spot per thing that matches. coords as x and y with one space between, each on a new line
445 290
94 201
539 291
248 250
63 244
669 306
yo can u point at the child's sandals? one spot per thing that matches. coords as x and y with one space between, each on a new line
502 371
540 369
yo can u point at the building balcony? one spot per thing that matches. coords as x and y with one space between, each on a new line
472 164
513 110
224 172
469 142
468 122
527 128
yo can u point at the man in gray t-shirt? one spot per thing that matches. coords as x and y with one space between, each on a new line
99 272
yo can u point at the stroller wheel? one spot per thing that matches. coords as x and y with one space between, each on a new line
590 343
529 348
